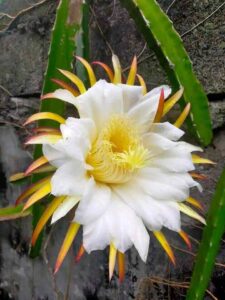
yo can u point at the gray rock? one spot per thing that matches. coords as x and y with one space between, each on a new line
217 110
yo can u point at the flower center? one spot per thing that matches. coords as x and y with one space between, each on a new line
118 152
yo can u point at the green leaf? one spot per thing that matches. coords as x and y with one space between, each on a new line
210 243
161 36
13 212
61 55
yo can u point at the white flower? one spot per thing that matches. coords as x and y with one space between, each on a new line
125 172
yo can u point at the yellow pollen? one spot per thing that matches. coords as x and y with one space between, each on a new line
118 152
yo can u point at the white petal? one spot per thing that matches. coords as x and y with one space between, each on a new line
96 235
119 225
167 130
54 154
156 143
143 113
94 202
154 214
78 135
64 95
176 159
100 102
64 208
131 95
164 185
155 93
70 179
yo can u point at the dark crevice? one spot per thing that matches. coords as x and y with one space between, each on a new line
216 96
27 95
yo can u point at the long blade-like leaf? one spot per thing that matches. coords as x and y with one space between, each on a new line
210 243
61 56
161 36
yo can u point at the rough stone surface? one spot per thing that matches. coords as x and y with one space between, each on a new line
24 47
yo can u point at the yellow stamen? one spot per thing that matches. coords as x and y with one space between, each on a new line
142 83
133 71
117 69
191 213
70 235
45 217
76 80
162 240
172 101
89 69
118 152
180 120
112 259
45 115
201 160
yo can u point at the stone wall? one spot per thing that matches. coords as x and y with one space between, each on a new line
24 41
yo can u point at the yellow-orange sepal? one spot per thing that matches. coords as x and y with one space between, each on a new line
43 116
162 240
194 202
185 237
133 71
107 69
38 195
70 235
121 266
44 138
89 69
112 259
159 112
45 217
172 101
117 69
76 80
31 189
36 164
196 159
180 120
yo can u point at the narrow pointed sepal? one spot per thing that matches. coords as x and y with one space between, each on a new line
159 111
89 69
195 203
43 116
32 189
38 195
142 84
36 164
133 71
196 159
191 213
112 259
172 101
75 79
185 238
70 236
117 69
66 86
44 138
198 176
107 69
163 241
180 120
45 217
80 253
121 266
